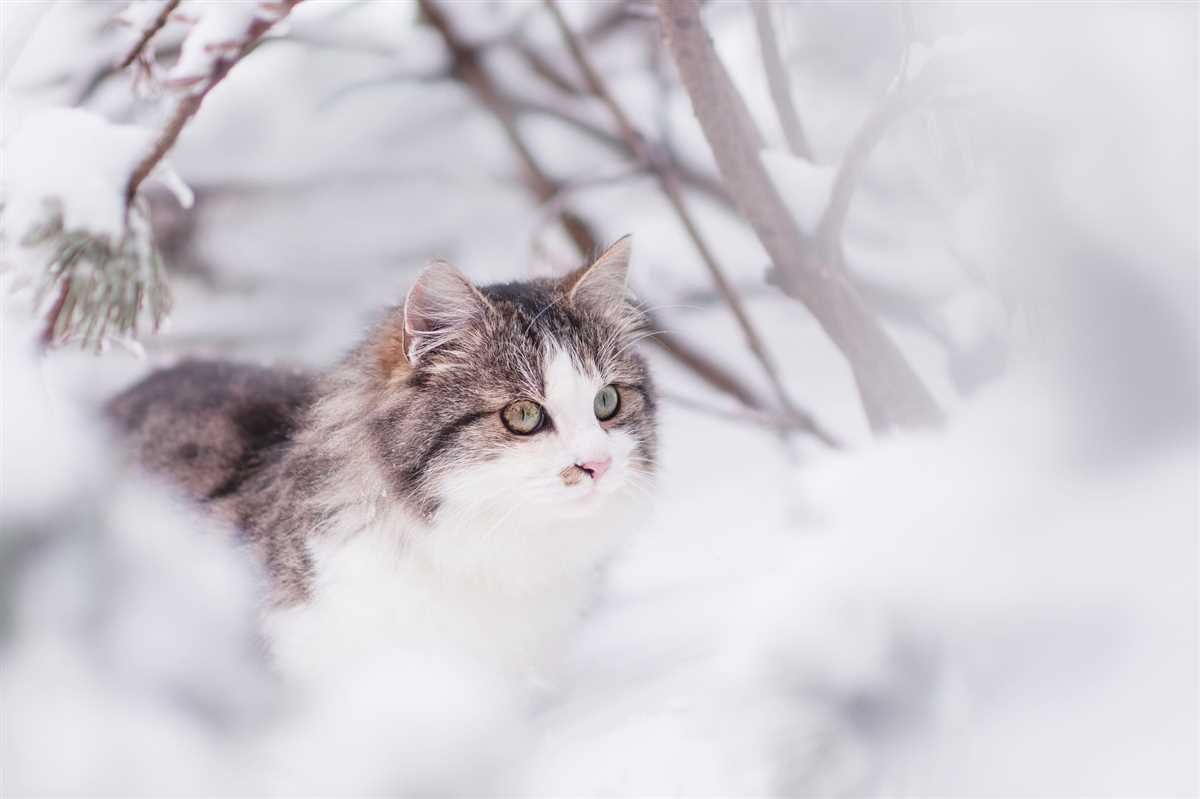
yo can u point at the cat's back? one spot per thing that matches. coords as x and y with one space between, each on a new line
210 426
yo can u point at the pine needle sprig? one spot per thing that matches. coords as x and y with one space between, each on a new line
102 287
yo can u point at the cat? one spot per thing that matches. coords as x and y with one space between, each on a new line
457 481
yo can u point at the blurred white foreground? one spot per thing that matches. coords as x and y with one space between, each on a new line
1006 607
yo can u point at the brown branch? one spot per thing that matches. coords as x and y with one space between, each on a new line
749 416
611 21
892 393
190 104
702 365
466 68
149 33
542 67
778 82
637 145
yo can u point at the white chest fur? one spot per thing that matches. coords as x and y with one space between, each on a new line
395 585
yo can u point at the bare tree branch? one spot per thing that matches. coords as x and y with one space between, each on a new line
149 33
637 145
190 104
546 70
466 68
744 415
892 393
778 82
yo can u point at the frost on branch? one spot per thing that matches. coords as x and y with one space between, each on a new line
70 232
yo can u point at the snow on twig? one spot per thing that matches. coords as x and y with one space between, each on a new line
221 37
72 209
138 13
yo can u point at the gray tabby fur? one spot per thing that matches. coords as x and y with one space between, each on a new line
281 454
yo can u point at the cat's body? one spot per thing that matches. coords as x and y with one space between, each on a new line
454 483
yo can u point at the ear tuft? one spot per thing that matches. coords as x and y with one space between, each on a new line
603 285
438 306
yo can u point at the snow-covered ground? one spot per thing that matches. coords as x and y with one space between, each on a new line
1005 607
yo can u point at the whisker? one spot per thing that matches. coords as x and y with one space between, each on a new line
554 302
638 339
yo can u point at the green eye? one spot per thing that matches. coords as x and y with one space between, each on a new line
607 403
523 417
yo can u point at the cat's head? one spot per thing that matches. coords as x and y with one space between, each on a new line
526 398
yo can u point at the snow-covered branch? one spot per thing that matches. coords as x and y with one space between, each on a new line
153 19
72 210
221 37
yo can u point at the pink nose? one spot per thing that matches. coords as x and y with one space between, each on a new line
596 468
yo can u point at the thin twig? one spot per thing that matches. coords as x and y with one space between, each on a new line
903 98
691 177
190 104
542 67
149 33
643 152
778 82
754 417
701 364
907 36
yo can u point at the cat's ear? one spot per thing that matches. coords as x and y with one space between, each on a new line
604 284
440 304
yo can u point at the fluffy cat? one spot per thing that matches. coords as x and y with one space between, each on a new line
455 482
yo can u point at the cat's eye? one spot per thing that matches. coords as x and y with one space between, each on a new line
523 417
607 403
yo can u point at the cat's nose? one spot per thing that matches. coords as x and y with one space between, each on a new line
595 469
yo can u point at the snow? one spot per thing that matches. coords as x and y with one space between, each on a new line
1005 607
141 15
804 186
217 31
20 22
942 50
79 160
